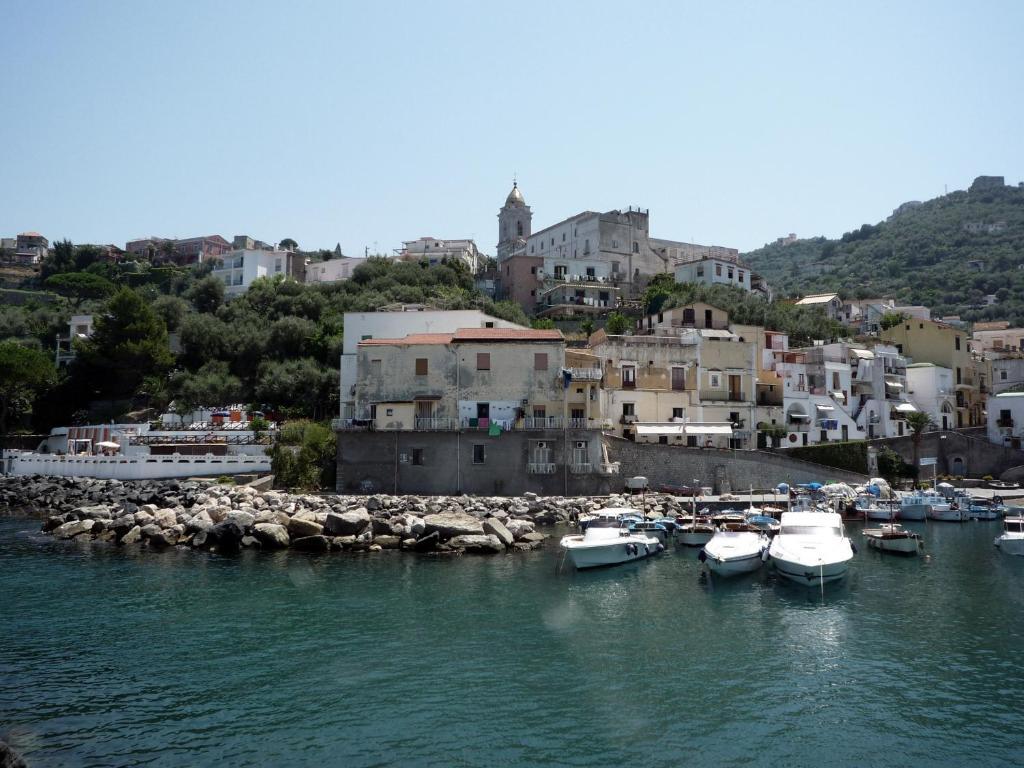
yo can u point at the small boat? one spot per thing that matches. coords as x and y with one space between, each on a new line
811 548
727 516
1002 485
892 538
606 542
649 528
735 550
948 513
986 509
621 513
918 505
873 508
695 533
1012 539
763 520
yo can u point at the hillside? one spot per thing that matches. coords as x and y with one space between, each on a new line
920 256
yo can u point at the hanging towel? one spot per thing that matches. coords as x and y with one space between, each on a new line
494 430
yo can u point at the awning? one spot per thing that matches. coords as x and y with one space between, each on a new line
659 429
863 354
824 407
708 429
799 417
839 395
906 408
894 384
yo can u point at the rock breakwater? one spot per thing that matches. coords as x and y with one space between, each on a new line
227 518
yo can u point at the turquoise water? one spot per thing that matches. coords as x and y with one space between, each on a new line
110 657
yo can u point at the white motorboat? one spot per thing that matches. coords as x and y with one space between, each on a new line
605 542
1012 539
948 513
731 552
986 509
811 548
892 538
695 533
874 509
918 505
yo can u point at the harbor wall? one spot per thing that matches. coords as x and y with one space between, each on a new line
721 469
966 453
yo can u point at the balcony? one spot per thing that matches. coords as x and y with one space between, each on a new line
540 468
1005 423
351 425
630 418
585 374
431 424
582 468
542 422
722 397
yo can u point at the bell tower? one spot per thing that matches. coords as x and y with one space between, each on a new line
514 221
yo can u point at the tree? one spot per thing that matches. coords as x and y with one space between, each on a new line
891 320
542 323
25 374
918 422
616 324
172 310
288 244
211 385
79 286
289 337
86 256
61 259
129 343
587 327
296 387
207 294
304 456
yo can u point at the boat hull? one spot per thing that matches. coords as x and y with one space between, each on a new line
142 467
808 574
904 545
948 515
584 556
734 566
694 538
914 512
1011 545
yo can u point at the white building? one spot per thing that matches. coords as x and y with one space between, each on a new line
1007 373
362 326
80 327
1006 419
239 269
434 251
829 303
714 271
332 271
932 390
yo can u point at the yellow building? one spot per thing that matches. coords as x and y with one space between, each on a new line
928 341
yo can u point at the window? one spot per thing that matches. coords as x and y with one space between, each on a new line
615 267
389 411
715 380
519 228
629 376
718 270
375 368
628 409
533 270
700 271
678 413
591 272
691 441
421 366
740 275
540 361
489 324
636 247
678 379
586 246
958 343
835 380
563 237
478 454
577 413
483 361
1002 375
730 273
540 412
277 265
958 377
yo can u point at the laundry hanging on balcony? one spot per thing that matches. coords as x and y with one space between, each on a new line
494 430
566 378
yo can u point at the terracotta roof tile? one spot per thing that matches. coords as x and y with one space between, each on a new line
507 334
413 338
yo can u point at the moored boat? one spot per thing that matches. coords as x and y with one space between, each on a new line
918 505
1011 541
734 551
891 537
605 542
986 509
811 548
695 533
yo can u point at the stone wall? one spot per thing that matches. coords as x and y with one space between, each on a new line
384 462
977 456
723 470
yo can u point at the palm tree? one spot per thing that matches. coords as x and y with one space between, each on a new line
918 422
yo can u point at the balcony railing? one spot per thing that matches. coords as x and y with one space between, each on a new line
485 423
722 397
542 422
580 424
350 425
586 374
1004 423
581 468
431 424
540 468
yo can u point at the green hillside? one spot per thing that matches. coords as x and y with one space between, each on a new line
921 256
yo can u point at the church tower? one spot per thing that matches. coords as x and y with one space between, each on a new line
514 222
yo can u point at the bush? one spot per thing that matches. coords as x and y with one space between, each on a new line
304 456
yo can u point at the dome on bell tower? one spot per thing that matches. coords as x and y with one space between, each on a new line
515 197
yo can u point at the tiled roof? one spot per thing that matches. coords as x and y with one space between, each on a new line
507 334
413 338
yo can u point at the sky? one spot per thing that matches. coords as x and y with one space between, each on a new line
373 123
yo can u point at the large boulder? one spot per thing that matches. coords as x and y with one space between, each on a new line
227 535
346 523
201 521
387 541
495 527
73 528
299 528
312 544
243 519
449 524
480 543
165 518
271 535
519 528
166 538
134 536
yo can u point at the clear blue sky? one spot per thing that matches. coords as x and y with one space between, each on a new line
373 122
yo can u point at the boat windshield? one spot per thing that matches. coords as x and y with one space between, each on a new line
603 522
811 530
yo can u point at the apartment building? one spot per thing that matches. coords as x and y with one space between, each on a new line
239 269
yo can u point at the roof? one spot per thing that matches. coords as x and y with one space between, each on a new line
515 197
1010 394
507 334
660 429
922 365
412 338
820 298
711 333
29 234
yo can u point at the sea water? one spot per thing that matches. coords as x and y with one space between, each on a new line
115 656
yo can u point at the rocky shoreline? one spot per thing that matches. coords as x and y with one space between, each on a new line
227 518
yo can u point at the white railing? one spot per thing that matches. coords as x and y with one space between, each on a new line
542 422
581 468
431 424
586 374
540 468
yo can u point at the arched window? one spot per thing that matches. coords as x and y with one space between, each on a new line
519 229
